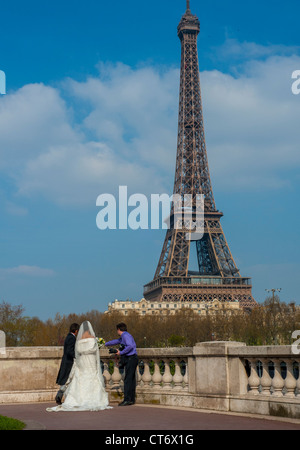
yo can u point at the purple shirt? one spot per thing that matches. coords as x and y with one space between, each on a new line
127 340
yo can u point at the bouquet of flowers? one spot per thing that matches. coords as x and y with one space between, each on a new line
100 342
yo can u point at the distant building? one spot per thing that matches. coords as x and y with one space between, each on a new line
145 307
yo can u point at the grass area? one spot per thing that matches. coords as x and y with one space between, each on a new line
7 423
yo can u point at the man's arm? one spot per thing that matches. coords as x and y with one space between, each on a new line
113 342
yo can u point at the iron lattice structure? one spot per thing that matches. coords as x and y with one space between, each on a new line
217 275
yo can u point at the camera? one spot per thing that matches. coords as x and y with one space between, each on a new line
114 350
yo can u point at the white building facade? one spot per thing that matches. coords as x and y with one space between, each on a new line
144 307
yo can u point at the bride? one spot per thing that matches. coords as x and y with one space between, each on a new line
86 391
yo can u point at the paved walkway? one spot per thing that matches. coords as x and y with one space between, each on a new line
139 417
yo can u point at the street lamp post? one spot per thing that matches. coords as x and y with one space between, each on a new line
273 292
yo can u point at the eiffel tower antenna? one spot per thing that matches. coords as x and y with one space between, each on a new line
217 276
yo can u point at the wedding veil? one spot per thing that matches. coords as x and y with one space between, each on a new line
85 329
86 332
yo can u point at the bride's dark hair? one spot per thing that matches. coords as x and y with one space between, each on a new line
85 326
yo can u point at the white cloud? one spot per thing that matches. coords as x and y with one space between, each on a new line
122 130
32 119
234 50
77 174
31 271
252 125
134 110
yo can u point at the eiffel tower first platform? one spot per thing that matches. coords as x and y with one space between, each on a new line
218 276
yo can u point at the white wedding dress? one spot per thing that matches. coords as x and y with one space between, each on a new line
86 391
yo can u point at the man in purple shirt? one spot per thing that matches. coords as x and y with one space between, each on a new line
130 360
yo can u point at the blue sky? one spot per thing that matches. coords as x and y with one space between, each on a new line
92 104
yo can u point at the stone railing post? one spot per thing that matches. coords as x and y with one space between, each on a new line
138 377
254 380
146 377
277 382
156 377
106 374
216 372
290 382
167 377
116 376
177 378
266 380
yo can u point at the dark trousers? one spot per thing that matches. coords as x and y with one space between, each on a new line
130 365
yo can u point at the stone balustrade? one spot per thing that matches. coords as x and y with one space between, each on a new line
273 376
161 371
220 376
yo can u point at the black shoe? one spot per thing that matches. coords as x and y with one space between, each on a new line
126 403
59 397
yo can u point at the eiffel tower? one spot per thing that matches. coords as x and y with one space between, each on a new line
217 276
